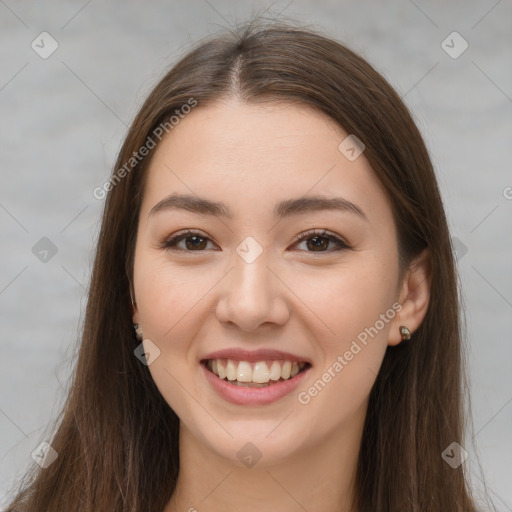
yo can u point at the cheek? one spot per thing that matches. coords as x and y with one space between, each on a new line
166 296
168 300
356 304
348 299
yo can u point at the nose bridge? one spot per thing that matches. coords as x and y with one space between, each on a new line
251 277
252 295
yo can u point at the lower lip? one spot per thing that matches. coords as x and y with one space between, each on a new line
241 395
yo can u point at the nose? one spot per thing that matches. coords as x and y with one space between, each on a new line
252 296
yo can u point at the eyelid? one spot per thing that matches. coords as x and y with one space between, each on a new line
324 233
319 232
177 237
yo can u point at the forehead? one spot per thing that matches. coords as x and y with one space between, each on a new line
247 154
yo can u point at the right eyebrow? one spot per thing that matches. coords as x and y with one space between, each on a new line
192 204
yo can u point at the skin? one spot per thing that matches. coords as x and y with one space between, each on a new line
292 298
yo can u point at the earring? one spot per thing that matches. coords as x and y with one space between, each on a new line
138 331
405 333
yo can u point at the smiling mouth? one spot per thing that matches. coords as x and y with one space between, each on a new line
255 374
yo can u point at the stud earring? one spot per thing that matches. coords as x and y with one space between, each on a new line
138 331
405 333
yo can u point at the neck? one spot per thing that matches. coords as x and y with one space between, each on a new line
319 478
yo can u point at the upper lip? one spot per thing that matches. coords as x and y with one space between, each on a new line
254 355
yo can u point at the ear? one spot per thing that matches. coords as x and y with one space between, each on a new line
135 311
414 297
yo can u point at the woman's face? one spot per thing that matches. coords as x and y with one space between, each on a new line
241 292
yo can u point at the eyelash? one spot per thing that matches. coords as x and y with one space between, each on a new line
170 243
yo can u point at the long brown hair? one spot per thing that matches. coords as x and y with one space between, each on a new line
118 439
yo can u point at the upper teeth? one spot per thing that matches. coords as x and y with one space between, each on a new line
261 372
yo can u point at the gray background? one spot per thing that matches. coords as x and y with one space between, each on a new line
63 118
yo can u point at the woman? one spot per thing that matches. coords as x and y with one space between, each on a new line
273 317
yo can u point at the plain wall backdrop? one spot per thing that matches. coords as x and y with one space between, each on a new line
64 115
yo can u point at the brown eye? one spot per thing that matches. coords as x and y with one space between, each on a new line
315 241
318 241
193 242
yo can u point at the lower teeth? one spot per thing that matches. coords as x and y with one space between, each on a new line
253 384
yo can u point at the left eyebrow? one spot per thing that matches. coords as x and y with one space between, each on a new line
286 208
310 204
